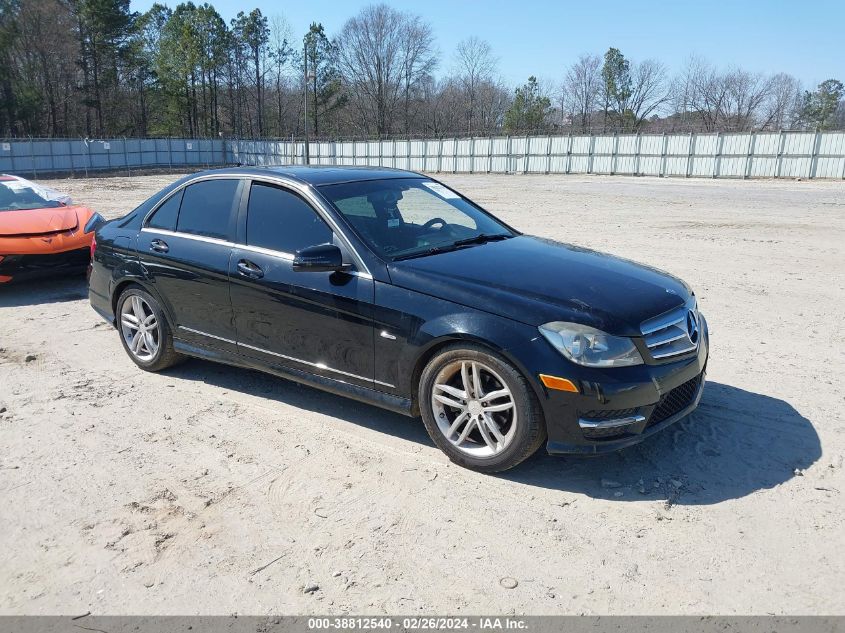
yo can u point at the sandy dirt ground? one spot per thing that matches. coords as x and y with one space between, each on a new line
212 490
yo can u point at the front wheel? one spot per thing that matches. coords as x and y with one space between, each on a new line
479 409
144 331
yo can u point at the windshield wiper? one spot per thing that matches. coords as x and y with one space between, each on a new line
482 238
434 250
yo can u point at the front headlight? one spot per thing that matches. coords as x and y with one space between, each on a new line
591 347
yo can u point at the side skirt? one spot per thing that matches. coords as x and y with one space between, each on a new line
338 387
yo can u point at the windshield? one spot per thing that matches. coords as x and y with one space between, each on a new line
411 217
16 196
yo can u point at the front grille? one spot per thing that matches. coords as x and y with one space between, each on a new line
672 334
676 400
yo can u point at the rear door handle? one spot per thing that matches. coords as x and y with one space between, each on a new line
159 246
248 269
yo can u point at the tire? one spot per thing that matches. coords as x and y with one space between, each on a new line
154 352
521 427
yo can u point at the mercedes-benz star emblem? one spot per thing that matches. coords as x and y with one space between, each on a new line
692 326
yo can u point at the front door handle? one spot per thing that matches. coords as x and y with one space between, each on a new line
248 269
159 246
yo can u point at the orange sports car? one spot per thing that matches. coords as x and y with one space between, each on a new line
41 231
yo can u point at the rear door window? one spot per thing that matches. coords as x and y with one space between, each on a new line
282 221
207 208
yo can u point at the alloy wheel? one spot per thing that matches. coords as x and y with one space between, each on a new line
474 408
140 328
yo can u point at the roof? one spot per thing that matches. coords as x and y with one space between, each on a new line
324 174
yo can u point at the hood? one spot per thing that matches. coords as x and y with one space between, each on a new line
535 281
39 221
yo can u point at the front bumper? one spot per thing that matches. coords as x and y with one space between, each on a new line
27 267
619 407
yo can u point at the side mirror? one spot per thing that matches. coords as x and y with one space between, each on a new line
94 223
320 258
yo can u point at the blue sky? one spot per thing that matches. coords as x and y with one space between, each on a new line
805 39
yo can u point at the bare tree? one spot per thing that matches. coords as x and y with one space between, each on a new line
745 94
734 100
581 88
492 101
418 59
782 104
708 95
444 102
698 95
475 66
649 91
383 54
280 53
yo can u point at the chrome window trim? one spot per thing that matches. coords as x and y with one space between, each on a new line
189 236
265 251
303 189
244 247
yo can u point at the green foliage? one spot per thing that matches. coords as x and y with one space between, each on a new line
819 108
106 22
103 30
529 109
617 85
189 47
252 32
252 29
324 85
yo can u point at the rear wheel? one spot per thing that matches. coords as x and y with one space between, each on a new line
144 331
479 409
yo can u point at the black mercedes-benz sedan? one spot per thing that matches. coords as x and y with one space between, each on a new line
391 288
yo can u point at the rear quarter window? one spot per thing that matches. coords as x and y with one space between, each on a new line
165 216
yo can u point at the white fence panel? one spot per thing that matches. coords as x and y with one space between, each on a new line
831 159
462 155
702 159
418 153
447 155
733 155
498 162
580 155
